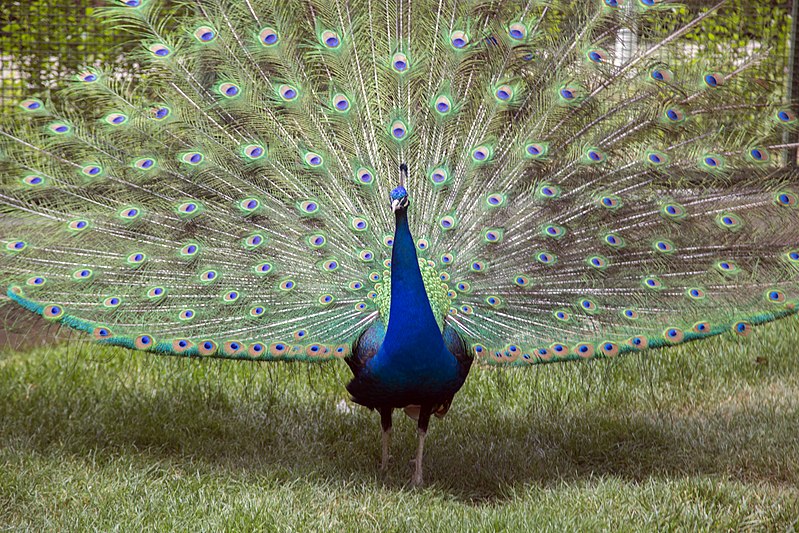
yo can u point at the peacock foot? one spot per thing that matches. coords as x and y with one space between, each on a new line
417 478
386 457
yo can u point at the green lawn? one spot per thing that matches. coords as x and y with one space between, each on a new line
704 436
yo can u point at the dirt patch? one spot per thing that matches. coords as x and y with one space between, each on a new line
21 330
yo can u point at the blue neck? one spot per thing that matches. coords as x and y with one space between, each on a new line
412 329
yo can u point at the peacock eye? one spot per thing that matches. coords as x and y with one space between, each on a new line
159 50
459 39
517 31
400 62
268 37
229 90
443 105
341 103
205 34
331 39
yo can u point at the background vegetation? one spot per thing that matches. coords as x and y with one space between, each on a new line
41 41
739 30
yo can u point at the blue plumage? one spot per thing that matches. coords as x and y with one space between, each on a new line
409 362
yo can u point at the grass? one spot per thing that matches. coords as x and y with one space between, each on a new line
703 436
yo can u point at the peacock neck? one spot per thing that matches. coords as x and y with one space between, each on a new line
412 326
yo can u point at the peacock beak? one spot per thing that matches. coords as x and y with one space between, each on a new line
399 203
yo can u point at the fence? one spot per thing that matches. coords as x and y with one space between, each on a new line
41 41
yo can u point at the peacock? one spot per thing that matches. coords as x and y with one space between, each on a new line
410 186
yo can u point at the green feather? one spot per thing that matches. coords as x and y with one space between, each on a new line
558 199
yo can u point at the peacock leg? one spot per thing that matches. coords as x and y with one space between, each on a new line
424 420
385 423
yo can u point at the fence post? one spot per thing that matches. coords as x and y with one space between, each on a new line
791 137
626 41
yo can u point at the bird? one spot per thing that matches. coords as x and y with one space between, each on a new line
414 187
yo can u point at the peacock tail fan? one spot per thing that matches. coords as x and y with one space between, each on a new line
565 202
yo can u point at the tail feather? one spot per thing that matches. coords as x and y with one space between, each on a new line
233 200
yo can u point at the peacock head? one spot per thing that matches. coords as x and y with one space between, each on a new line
399 199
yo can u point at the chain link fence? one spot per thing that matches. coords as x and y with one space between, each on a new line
42 41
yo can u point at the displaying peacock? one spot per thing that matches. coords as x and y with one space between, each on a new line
407 185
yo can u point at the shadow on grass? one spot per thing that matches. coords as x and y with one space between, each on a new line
283 422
